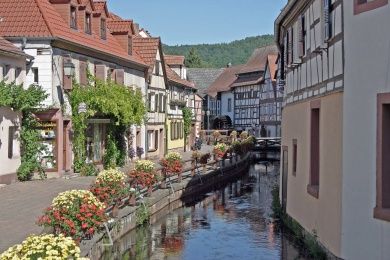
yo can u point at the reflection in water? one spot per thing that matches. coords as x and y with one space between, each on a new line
230 223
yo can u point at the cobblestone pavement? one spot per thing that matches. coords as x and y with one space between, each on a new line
22 203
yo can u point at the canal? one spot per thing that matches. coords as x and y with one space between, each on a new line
231 222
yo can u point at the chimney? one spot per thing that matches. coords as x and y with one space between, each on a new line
130 43
136 28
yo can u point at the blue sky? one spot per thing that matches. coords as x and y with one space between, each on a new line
201 21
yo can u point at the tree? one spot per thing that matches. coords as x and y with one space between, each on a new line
187 118
193 59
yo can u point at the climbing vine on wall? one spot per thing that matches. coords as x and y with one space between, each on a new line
26 101
187 118
122 105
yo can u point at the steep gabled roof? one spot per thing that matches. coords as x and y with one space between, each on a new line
147 48
203 78
273 66
175 78
259 58
224 81
172 60
8 47
39 19
120 26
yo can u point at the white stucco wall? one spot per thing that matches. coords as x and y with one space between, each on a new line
367 70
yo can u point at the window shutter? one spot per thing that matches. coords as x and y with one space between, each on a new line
120 76
100 72
301 39
161 103
290 45
172 131
156 139
150 102
165 103
83 73
156 103
326 18
66 80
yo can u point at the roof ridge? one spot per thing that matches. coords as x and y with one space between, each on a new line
44 17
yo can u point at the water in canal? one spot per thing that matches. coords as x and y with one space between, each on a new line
232 222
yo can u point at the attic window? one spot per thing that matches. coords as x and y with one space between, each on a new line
103 29
73 17
88 26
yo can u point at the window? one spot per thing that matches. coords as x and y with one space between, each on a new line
327 21
88 23
73 17
152 140
151 102
314 180
103 29
35 75
156 103
361 6
11 138
302 36
18 71
229 105
157 68
6 70
382 209
295 150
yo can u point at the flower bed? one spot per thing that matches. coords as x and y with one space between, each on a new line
44 247
109 186
220 150
172 164
144 165
75 213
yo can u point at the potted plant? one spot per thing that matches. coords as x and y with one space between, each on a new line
140 151
143 176
220 150
196 155
132 196
216 135
244 135
75 213
203 160
109 187
233 136
44 247
172 165
132 153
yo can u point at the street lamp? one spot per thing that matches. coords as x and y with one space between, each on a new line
69 68
82 108
208 119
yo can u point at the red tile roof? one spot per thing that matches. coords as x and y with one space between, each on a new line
174 59
8 47
224 81
247 80
273 66
259 58
101 6
39 18
147 49
120 26
173 77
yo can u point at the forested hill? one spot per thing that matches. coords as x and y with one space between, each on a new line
219 55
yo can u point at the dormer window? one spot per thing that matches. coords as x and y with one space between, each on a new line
103 29
88 23
73 17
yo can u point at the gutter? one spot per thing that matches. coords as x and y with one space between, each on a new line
280 18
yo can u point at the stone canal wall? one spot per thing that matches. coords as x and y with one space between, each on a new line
161 202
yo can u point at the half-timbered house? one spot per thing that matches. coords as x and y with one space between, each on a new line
247 90
181 94
150 50
310 37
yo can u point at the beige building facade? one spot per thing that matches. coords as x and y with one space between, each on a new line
311 74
